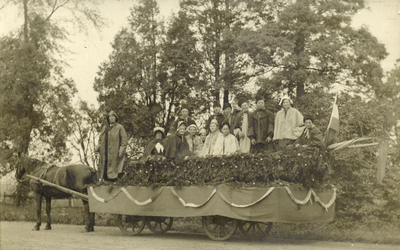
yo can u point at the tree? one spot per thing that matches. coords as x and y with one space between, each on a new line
128 82
217 24
150 71
180 61
86 127
310 43
35 96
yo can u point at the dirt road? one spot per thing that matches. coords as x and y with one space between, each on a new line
18 235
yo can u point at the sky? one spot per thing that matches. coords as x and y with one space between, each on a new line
90 50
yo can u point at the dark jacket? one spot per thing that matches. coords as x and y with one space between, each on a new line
262 122
239 121
151 148
315 139
176 146
231 119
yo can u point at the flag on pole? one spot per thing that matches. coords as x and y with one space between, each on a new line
333 127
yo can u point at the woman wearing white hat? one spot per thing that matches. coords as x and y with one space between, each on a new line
194 141
156 146
212 137
288 122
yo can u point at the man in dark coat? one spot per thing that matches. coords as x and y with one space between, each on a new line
216 116
176 145
311 136
227 112
184 115
262 122
112 145
156 146
235 113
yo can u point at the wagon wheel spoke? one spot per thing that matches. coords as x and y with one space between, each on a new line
253 227
246 227
258 226
165 225
215 228
224 230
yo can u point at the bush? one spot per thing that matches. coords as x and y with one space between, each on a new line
361 200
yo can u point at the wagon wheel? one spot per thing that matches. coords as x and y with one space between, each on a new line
254 230
159 225
219 227
131 225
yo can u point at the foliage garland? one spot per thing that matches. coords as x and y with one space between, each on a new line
303 167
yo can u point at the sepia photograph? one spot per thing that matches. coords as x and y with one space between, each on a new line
199 124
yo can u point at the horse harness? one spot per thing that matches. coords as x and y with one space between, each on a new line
42 171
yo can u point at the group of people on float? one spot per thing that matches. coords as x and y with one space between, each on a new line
235 129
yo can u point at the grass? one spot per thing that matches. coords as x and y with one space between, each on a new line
384 233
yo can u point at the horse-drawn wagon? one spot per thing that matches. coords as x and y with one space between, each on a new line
245 192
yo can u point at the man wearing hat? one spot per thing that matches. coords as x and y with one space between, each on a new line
242 127
216 116
311 136
156 146
184 115
176 145
227 112
235 113
262 122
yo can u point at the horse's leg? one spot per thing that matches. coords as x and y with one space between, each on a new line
38 200
89 217
48 210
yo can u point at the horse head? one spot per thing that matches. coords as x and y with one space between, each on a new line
24 165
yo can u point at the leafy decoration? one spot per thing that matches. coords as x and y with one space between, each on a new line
304 167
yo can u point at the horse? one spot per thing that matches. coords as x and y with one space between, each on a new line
74 177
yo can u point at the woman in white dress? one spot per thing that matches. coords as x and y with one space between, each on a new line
212 137
226 143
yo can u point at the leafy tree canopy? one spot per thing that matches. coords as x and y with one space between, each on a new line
311 43
35 98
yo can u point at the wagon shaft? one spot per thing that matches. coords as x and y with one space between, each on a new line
63 189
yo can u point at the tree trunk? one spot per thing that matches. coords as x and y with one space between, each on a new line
217 51
26 21
226 96
300 89
228 57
